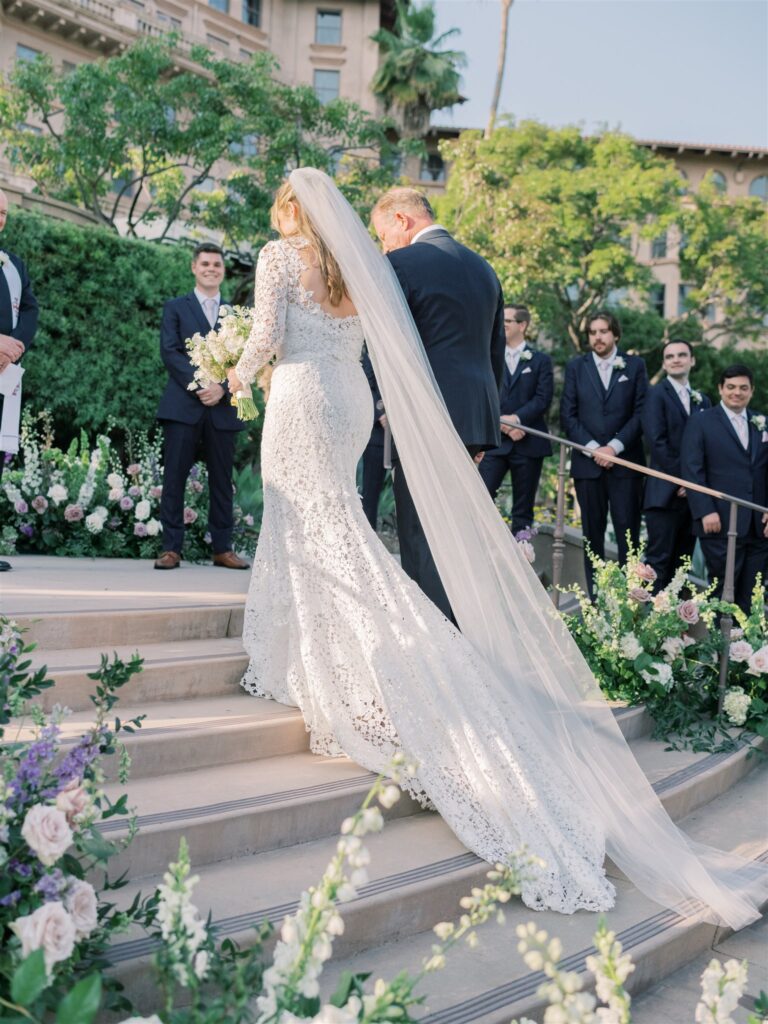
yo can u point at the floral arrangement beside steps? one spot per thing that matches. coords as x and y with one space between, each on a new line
663 651
87 501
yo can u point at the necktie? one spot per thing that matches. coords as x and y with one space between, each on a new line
605 372
209 305
685 398
741 429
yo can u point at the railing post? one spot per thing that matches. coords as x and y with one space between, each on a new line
558 541
726 622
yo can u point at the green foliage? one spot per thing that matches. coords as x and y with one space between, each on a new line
416 76
96 356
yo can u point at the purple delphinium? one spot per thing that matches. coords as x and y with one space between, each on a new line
50 885
27 530
17 867
80 758
11 899
37 757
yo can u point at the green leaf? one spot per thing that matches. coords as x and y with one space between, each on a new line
29 979
348 985
97 846
82 1003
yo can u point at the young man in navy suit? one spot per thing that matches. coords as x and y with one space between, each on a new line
192 419
726 448
526 395
18 316
668 407
601 408
458 307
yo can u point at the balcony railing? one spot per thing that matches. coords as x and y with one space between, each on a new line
558 543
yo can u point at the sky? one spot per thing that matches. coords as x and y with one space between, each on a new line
682 70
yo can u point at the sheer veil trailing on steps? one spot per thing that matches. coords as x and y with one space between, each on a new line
502 608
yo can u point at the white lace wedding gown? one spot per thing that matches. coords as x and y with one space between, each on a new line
335 627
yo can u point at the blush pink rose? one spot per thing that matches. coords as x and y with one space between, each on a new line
82 905
644 571
640 595
72 800
46 832
189 516
134 469
758 663
51 929
73 513
688 612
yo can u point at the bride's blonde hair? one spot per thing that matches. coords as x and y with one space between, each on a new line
329 268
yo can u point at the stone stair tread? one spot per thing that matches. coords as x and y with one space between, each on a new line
79 659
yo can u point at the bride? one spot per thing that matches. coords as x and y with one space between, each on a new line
513 742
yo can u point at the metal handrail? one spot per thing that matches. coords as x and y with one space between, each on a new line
558 539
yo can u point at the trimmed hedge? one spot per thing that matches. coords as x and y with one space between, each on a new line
96 356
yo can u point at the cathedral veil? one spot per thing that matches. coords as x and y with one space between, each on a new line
502 608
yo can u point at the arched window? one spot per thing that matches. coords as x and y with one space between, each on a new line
718 180
759 187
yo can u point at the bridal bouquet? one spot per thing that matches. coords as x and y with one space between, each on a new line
219 350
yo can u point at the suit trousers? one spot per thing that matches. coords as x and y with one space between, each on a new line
415 556
526 473
181 444
751 559
623 497
670 539
374 475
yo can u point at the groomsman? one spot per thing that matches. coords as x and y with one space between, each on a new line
457 304
526 395
601 408
192 419
668 406
726 448
18 315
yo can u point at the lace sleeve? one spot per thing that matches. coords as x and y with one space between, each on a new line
269 305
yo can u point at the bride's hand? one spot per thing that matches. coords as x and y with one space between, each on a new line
235 384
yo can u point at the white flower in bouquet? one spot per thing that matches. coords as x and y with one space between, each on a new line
662 673
46 832
218 351
630 647
722 987
736 705
143 510
49 928
528 551
116 494
58 493
82 905
114 480
153 527
758 662
94 522
662 602
740 651
673 647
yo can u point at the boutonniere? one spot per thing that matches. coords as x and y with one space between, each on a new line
4 257
619 363
224 310
526 354
696 397
759 422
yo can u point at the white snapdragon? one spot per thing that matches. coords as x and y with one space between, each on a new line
736 705
722 986
611 968
183 932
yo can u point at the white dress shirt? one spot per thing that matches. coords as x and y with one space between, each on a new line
429 227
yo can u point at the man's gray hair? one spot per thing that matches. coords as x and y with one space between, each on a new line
403 200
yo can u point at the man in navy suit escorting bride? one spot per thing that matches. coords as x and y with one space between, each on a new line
458 307
526 395
192 419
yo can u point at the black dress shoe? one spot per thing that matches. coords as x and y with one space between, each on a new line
5 566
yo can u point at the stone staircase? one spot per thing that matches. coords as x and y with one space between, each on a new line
261 813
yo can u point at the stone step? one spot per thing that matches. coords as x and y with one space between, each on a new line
110 627
418 872
230 811
173 670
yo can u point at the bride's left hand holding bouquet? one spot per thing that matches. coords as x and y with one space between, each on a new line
216 353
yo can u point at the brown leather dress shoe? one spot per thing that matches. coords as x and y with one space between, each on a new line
229 560
168 560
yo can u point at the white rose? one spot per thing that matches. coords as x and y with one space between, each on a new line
758 663
58 493
153 527
740 651
116 494
82 905
94 523
51 929
115 480
143 510
47 833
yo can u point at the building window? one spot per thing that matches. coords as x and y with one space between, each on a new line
718 180
659 247
657 297
252 12
327 85
26 52
683 292
33 128
216 41
174 24
219 5
759 187
328 28
248 147
432 168
67 67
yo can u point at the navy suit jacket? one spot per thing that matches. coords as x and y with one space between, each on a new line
26 324
457 304
590 412
664 420
182 318
528 393
712 455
